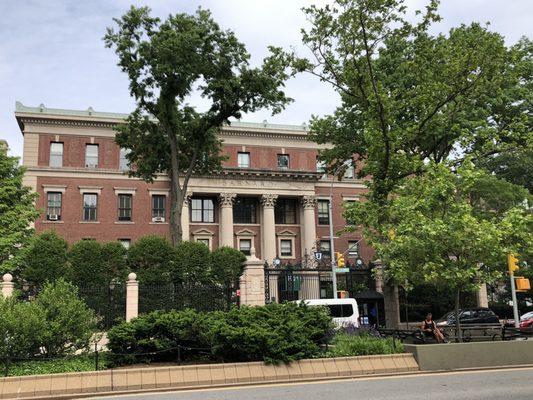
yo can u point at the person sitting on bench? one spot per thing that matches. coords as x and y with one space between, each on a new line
430 327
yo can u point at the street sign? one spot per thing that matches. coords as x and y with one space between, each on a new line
340 270
318 255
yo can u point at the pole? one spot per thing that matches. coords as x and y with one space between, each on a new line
331 240
515 302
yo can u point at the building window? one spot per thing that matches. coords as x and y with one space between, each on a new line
124 207
202 210
325 248
323 212
285 211
56 154
245 210
243 160
204 241
285 249
90 206
125 242
91 155
353 249
124 164
53 208
350 172
245 245
320 166
158 206
283 161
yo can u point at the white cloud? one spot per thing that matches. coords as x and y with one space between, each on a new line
51 52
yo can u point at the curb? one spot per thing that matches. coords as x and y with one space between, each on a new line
159 379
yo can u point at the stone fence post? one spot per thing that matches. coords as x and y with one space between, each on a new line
7 285
132 297
252 282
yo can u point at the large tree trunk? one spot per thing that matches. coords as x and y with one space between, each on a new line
458 333
176 204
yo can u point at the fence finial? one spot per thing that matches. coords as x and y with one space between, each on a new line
7 285
132 277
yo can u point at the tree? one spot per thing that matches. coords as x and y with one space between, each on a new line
44 259
17 212
227 265
152 258
86 264
193 264
436 237
167 62
114 261
407 96
515 166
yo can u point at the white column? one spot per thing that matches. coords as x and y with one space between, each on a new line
186 235
252 282
226 219
269 227
309 225
132 297
7 285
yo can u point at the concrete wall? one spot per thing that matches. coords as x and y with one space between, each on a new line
451 356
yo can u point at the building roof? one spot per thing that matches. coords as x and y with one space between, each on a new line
91 115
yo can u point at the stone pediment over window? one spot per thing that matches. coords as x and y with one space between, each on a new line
203 232
286 232
245 232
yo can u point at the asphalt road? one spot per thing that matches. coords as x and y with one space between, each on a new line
514 384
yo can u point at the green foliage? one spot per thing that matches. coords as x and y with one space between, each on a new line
167 61
44 259
86 264
78 363
193 264
17 212
227 265
274 333
56 324
68 323
514 165
152 259
114 261
409 96
346 345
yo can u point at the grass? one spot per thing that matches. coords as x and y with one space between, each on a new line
346 345
78 363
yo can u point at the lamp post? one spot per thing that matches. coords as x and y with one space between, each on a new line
345 164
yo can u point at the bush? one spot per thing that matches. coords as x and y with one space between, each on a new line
114 261
273 333
345 345
77 363
69 323
227 265
55 324
44 259
86 266
152 259
193 264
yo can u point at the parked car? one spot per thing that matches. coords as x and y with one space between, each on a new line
343 311
469 316
526 320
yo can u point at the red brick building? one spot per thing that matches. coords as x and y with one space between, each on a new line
270 196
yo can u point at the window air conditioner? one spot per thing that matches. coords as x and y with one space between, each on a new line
53 217
158 219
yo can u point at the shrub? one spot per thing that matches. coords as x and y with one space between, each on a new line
345 345
273 333
152 259
114 261
86 266
193 264
44 259
227 265
69 323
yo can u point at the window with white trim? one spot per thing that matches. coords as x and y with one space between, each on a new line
243 160
285 247
56 154
124 207
245 246
124 164
53 206
90 206
202 210
126 243
325 248
353 248
323 212
158 206
91 155
283 161
203 240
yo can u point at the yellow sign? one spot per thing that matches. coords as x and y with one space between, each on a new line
522 284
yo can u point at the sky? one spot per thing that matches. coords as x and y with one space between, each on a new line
52 52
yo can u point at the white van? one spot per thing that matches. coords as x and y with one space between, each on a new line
344 311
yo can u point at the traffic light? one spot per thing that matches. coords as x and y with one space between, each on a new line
339 258
512 262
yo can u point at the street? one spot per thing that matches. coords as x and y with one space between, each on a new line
513 384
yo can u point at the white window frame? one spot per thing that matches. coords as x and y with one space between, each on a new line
123 163
58 156
87 156
248 239
246 156
352 254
